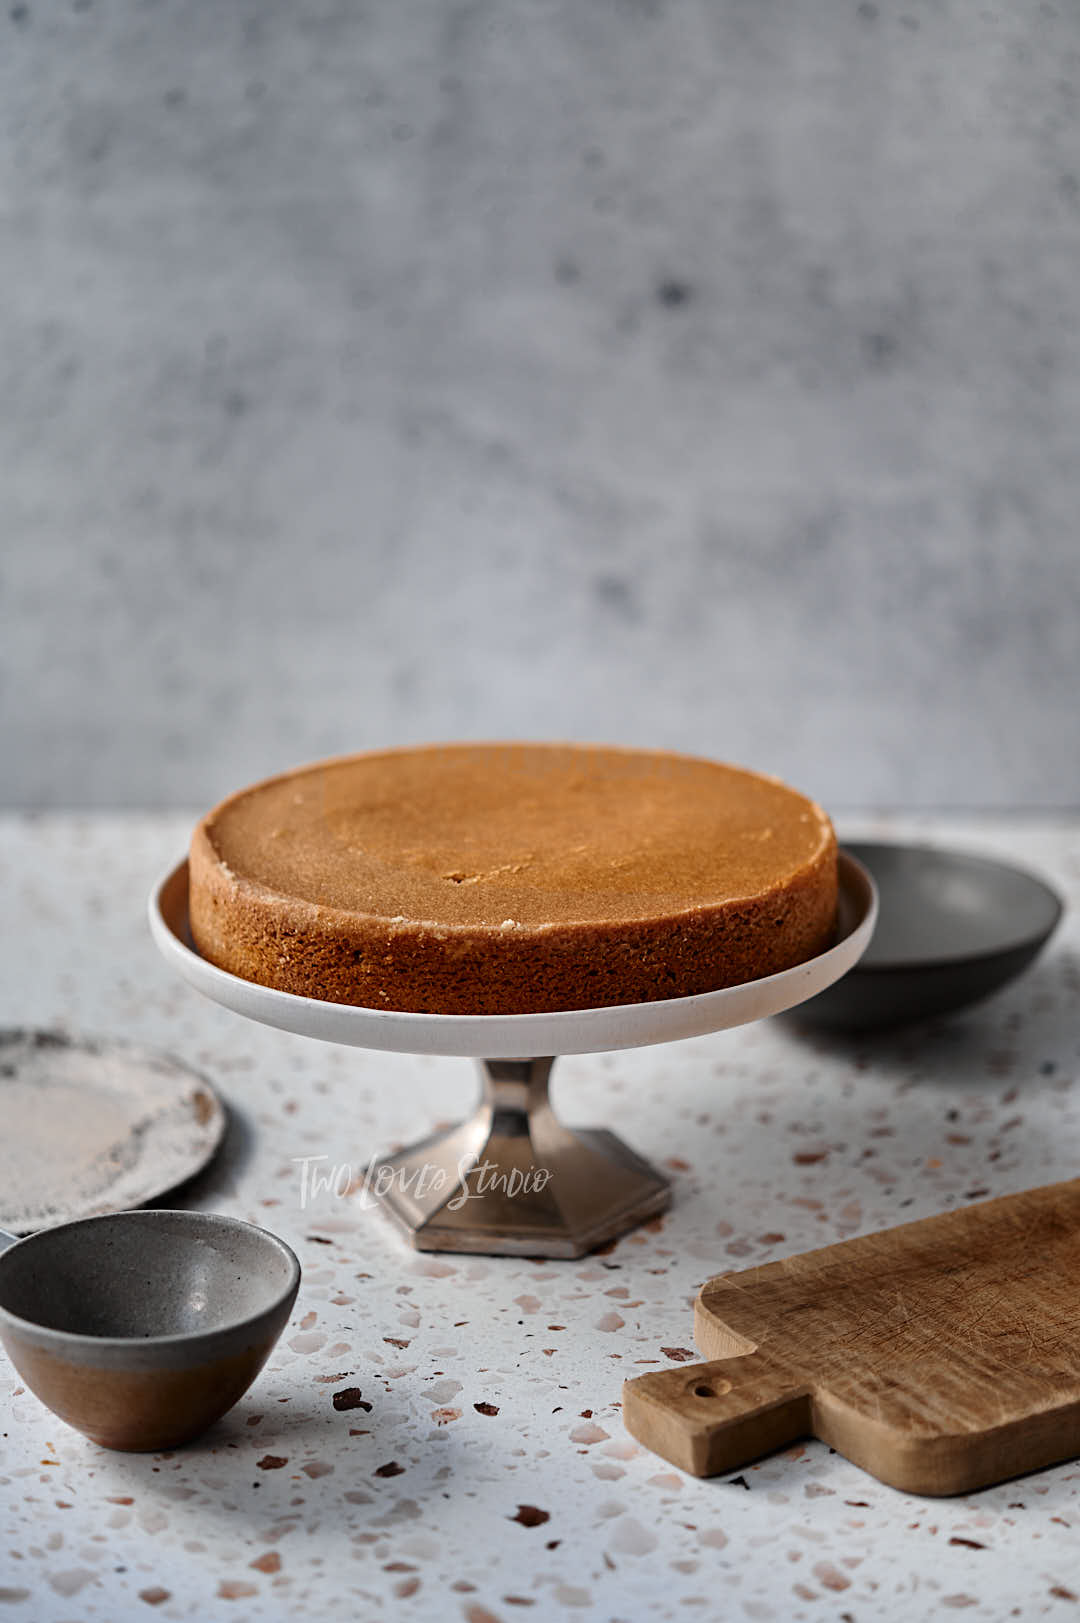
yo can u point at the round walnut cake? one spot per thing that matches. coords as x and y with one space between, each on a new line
512 878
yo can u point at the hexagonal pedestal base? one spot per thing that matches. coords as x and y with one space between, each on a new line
513 1181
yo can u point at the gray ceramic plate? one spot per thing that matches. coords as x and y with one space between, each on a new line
952 928
91 1127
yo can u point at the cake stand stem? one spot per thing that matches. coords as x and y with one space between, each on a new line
512 1180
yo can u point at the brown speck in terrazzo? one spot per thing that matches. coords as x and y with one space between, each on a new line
272 1462
391 1468
350 1398
395 1341
153 1596
486 1408
679 1355
236 1589
831 1577
530 1516
270 1561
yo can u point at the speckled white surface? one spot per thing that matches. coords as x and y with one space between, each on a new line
494 1384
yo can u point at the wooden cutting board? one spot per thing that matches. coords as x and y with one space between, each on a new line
941 1356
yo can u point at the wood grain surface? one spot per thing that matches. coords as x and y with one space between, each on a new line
941 1356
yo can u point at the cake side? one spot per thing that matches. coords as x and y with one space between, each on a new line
372 963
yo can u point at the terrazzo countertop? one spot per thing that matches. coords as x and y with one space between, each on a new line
439 1437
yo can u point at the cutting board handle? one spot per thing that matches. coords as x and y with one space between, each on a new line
714 1417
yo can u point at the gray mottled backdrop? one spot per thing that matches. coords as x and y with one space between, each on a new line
702 373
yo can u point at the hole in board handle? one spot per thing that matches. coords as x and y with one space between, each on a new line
714 1389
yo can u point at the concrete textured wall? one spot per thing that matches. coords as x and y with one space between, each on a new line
694 372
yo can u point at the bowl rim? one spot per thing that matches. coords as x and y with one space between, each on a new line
45 1334
1031 942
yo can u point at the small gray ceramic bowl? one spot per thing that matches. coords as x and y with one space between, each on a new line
142 1328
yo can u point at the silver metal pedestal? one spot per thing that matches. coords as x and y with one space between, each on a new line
512 1180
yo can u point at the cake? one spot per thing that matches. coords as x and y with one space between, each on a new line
512 878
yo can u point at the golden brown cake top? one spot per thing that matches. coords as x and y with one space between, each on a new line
517 834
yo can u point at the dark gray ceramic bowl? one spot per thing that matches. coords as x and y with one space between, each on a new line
140 1329
952 929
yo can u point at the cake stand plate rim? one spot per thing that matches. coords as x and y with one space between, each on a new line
517 1036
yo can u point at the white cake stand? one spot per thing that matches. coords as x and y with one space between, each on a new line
512 1179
